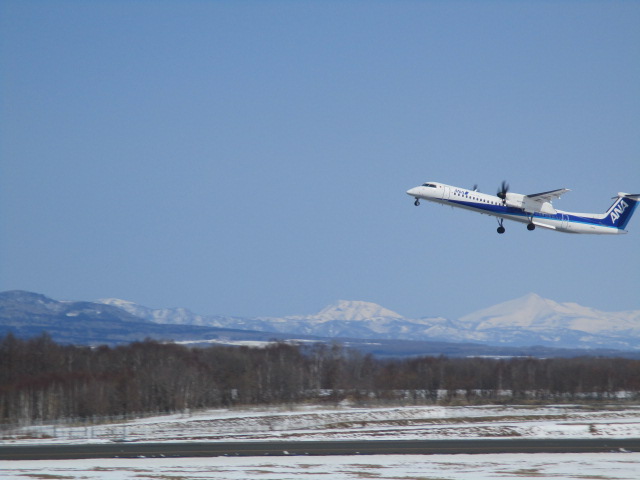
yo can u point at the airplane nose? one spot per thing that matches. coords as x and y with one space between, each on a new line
412 191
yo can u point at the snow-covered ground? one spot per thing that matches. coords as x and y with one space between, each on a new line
601 466
349 423
345 422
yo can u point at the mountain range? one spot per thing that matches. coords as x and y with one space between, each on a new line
27 314
530 325
526 321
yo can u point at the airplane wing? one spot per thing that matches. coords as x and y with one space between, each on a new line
547 196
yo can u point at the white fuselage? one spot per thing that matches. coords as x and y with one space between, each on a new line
543 215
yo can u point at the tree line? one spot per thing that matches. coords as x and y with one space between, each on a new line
43 380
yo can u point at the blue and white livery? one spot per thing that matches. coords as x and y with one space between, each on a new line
535 210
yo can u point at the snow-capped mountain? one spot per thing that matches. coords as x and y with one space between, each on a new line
519 321
349 311
535 313
526 321
356 319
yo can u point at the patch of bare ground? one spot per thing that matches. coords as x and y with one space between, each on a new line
440 421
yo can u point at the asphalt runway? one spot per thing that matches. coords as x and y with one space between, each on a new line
340 447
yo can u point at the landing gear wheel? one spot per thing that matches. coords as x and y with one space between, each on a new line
531 227
417 202
501 230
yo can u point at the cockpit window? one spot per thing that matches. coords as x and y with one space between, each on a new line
429 185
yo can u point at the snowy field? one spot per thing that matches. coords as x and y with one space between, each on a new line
346 423
594 466
349 423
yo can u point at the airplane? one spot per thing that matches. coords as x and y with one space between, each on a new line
535 210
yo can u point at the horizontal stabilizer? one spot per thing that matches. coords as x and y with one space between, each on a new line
634 196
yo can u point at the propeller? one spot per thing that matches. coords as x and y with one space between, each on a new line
475 187
502 193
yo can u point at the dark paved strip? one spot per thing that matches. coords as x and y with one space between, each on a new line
339 447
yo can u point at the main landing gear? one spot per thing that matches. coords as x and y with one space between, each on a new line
530 226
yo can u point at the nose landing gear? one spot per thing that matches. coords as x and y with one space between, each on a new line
417 202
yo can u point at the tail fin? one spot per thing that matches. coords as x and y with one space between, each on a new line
622 209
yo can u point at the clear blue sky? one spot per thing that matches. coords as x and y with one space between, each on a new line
251 158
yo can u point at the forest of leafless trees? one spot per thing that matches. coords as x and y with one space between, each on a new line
41 380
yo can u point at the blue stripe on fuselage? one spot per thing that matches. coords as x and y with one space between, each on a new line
516 212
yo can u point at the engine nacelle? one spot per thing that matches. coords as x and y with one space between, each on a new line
514 200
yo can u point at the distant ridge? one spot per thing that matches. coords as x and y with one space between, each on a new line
526 321
527 324
27 314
